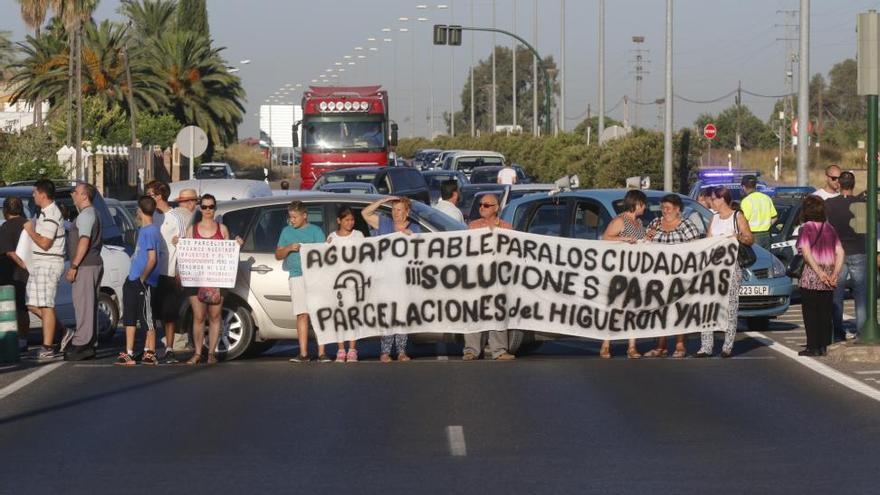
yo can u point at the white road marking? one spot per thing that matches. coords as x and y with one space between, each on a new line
871 372
457 445
28 379
823 369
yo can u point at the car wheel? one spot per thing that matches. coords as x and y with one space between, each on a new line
758 323
108 307
236 331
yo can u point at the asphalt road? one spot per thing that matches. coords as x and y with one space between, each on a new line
560 421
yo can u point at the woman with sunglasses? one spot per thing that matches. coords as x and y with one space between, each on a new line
206 301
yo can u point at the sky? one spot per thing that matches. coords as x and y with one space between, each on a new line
716 43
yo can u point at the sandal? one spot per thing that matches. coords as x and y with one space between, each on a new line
679 353
655 353
212 359
125 359
352 356
632 353
385 358
402 357
605 351
195 359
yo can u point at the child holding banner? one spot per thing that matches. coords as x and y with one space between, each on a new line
299 232
345 233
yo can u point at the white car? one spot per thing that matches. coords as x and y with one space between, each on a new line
224 189
116 261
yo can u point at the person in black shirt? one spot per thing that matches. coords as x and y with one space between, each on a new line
12 269
847 214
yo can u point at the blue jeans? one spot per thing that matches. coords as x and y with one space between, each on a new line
853 274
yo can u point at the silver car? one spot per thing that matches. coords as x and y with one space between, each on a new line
258 310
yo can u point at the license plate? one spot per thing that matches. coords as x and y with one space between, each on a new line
754 290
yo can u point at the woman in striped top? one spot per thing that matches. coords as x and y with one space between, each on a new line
823 260
626 227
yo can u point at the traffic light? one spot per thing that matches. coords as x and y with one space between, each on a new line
455 35
440 32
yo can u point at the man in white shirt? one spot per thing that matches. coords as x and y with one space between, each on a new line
449 197
832 187
507 175
48 236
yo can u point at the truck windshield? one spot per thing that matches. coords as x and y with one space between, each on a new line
329 135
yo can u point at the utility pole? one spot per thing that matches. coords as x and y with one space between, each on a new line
804 97
79 102
791 57
535 128
515 46
601 69
667 131
819 111
561 123
625 111
452 75
494 95
473 129
639 71
738 147
132 110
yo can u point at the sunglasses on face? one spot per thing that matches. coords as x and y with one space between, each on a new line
487 205
208 207
833 177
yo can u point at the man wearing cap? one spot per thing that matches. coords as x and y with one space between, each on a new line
758 209
172 223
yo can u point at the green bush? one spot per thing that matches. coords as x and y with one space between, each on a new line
29 155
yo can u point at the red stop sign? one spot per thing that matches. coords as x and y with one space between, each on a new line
709 131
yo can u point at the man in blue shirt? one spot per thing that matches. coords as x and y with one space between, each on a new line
142 276
299 232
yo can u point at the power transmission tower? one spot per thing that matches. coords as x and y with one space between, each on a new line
639 71
791 39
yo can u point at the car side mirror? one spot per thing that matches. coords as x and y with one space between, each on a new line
393 134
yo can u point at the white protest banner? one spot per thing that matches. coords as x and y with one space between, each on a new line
207 262
475 280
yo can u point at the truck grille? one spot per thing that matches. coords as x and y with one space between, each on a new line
761 302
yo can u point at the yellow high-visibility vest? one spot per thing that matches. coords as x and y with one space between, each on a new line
759 211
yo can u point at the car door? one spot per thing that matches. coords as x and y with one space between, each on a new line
589 220
268 279
545 217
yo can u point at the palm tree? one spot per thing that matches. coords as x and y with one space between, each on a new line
7 53
200 89
149 19
41 71
33 12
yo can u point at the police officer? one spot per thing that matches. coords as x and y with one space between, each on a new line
759 211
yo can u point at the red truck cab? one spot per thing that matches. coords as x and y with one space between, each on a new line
343 127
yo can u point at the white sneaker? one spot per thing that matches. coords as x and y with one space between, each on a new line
851 335
65 341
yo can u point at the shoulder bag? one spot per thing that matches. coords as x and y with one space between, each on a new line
746 256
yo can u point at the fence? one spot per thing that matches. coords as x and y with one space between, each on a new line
119 171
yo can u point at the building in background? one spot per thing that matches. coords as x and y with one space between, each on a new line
15 117
276 131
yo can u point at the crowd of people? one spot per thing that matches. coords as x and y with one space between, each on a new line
833 251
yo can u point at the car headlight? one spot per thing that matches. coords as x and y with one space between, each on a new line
777 268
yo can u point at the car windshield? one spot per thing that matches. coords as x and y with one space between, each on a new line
488 176
329 134
211 172
348 176
467 163
692 210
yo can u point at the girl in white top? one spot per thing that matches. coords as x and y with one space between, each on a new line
345 233
731 223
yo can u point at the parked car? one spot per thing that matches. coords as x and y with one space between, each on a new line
489 175
467 161
257 311
511 192
728 178
435 178
440 159
116 260
349 188
584 214
214 170
423 159
224 189
398 181
125 220
470 192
